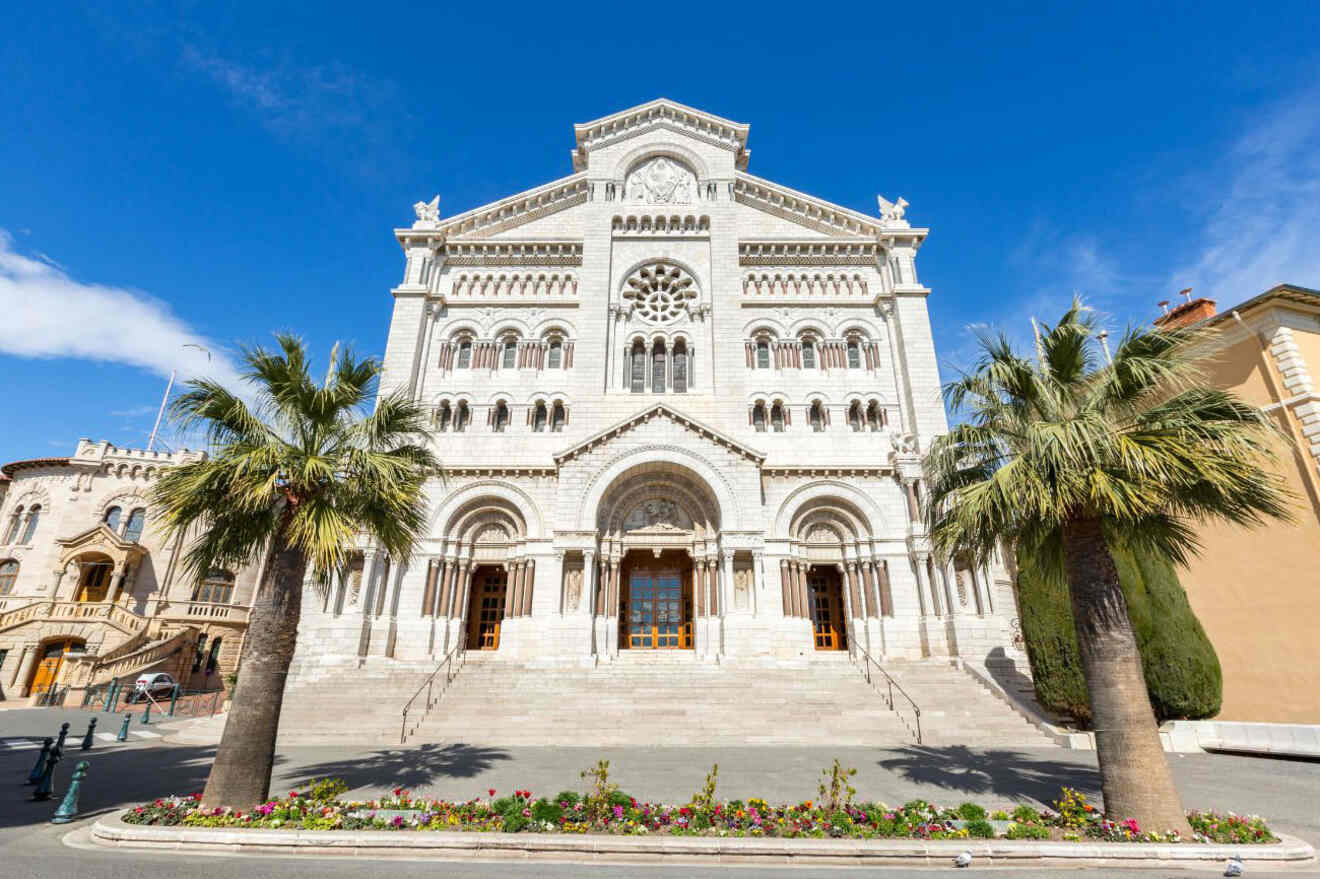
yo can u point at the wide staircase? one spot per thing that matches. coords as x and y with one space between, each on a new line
658 698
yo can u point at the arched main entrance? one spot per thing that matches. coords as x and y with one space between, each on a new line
655 609
51 655
659 580
94 575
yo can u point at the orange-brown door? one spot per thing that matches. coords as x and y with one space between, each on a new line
47 670
486 613
95 582
826 593
657 610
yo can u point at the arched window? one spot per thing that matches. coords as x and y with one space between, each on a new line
14 521
854 354
465 354
443 416
817 416
555 359
680 367
510 356
539 417
875 417
112 518
501 419
762 354
133 527
638 367
758 417
558 415
658 365
855 415
216 588
808 353
461 416
30 528
777 417
8 574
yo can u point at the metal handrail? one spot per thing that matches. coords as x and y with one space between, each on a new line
892 685
450 665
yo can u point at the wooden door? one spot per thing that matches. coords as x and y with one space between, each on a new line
486 610
48 668
826 594
95 582
657 610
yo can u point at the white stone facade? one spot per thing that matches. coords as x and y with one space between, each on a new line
662 361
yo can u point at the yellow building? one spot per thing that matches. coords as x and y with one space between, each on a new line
1257 590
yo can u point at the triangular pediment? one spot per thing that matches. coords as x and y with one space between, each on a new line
659 410
665 114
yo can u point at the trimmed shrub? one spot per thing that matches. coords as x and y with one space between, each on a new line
568 797
971 812
980 830
1179 663
1027 831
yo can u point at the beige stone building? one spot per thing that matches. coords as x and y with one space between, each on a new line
91 591
1257 591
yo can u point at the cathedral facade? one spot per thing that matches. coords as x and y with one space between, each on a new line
678 407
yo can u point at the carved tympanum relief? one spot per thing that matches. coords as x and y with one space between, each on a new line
660 181
657 512
660 292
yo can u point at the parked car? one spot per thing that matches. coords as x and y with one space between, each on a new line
158 686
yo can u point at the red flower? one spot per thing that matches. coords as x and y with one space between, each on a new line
491 792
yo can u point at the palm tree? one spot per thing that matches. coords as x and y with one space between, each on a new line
295 477
1067 456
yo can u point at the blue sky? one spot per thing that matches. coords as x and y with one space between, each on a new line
197 175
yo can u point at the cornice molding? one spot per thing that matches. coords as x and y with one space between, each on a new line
661 113
512 253
808 252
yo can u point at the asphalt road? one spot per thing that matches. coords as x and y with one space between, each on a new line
1287 792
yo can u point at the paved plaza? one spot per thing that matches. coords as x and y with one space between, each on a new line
123 774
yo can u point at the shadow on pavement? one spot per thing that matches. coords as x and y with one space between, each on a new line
1005 773
408 767
116 777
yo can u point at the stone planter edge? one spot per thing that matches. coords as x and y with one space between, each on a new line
111 830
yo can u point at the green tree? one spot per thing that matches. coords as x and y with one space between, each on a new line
1067 455
296 476
1182 673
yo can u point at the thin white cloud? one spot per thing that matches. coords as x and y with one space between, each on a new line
1262 222
47 313
134 412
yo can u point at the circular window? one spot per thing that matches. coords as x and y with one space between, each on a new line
660 292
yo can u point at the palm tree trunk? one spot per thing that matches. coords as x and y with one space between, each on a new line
240 776
1134 773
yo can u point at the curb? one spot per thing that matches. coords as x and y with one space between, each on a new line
112 831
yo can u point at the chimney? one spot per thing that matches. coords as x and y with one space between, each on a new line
1191 311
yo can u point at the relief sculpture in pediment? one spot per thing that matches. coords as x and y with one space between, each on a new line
660 181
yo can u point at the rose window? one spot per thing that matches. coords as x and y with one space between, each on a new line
660 292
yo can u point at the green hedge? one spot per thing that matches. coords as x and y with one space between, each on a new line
1182 671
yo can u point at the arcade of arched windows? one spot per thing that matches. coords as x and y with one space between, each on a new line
659 365
774 415
507 350
810 350
455 416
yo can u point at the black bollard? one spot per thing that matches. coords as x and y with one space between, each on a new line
35 775
64 732
46 787
87 739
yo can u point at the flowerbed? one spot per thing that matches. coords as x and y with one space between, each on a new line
609 811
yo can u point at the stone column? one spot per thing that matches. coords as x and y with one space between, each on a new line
919 568
854 592
23 668
587 600
699 576
804 591
914 507
726 583
529 580
428 590
512 583
785 585
868 586
951 600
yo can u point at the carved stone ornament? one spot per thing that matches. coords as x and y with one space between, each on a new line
892 211
660 293
904 444
428 213
660 181
656 514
